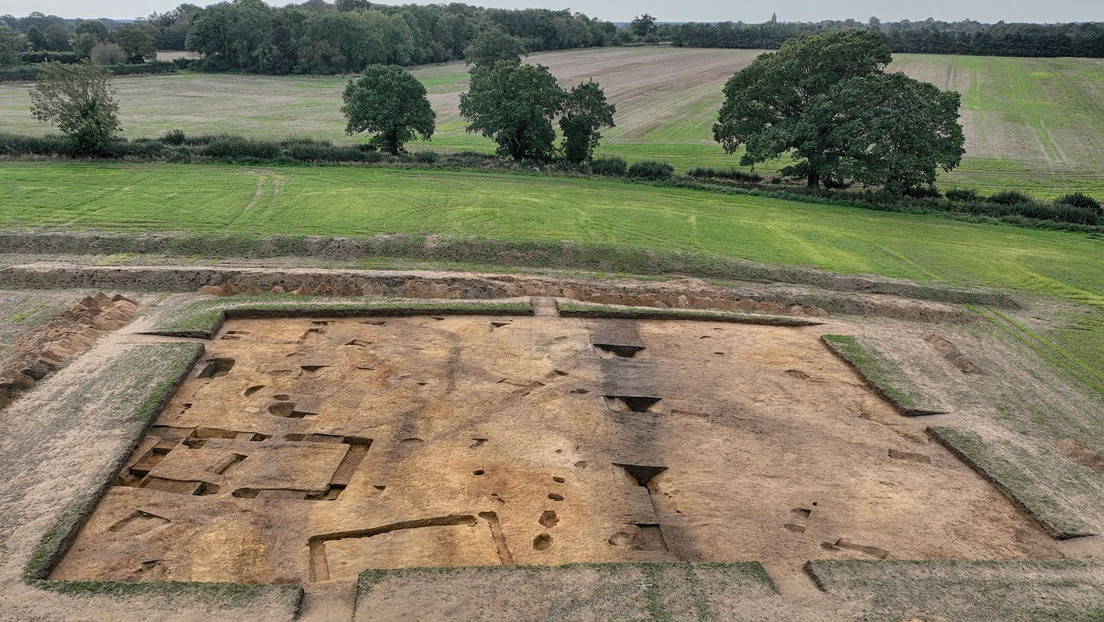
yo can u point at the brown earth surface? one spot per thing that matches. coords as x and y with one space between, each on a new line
303 451
46 347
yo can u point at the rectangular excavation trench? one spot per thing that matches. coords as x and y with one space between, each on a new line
304 450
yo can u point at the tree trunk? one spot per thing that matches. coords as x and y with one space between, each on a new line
393 143
814 179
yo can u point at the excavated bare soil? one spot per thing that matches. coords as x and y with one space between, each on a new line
310 450
47 347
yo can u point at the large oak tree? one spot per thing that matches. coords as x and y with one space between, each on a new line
780 103
826 101
390 103
886 130
514 104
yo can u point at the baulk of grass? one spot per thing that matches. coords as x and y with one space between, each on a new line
883 375
202 318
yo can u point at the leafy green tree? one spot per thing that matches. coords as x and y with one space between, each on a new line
94 28
136 41
887 130
492 45
514 104
82 44
57 38
642 25
12 46
36 38
80 100
389 102
765 103
585 111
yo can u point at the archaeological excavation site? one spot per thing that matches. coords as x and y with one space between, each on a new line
356 445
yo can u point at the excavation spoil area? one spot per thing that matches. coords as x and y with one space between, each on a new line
304 450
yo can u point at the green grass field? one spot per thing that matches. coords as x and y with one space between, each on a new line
365 201
1032 124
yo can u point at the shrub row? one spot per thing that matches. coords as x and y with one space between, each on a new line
27 73
49 57
733 174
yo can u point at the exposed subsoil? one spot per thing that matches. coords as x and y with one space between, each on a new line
443 248
676 293
306 451
48 346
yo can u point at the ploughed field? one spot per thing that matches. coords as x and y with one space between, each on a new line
1032 124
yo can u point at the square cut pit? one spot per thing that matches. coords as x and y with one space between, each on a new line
306 450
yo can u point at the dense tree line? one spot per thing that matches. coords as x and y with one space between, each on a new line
313 37
930 36
316 37
39 38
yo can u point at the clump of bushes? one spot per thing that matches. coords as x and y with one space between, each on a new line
1010 197
734 174
173 137
962 195
426 157
238 147
649 169
610 167
1081 201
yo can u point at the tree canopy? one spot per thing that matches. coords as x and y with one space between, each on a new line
136 42
389 102
318 37
80 100
924 37
514 104
585 111
12 46
492 45
643 25
888 130
790 102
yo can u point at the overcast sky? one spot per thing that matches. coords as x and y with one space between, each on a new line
665 10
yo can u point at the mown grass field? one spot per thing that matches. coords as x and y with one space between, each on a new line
1032 124
365 201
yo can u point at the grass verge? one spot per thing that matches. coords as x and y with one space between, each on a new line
1017 482
882 375
202 319
574 309
657 592
1009 591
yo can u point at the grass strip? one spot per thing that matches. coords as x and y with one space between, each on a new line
1012 480
1010 591
202 319
574 309
882 374
638 591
